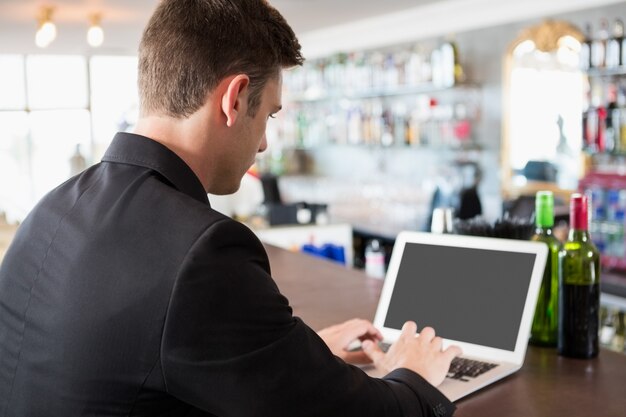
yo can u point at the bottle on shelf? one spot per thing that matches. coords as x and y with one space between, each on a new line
398 114
391 73
598 46
623 51
620 115
613 329
355 126
614 45
414 69
579 286
620 333
412 133
545 322
388 127
607 326
585 49
375 260
376 62
591 124
302 126
612 121
451 69
587 119
600 136
442 220
376 123
437 67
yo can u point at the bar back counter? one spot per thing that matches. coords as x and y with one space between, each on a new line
323 293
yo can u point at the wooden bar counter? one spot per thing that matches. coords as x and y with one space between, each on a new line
324 293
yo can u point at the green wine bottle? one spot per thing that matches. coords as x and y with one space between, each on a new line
545 322
579 286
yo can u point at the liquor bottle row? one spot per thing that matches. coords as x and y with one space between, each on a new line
604 119
420 122
376 71
608 225
604 48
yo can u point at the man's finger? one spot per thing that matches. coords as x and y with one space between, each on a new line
452 351
437 343
427 334
358 329
408 330
375 337
372 350
367 328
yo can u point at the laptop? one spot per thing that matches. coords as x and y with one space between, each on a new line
478 293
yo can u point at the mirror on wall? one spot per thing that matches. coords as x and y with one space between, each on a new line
544 91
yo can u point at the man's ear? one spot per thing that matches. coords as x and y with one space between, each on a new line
235 98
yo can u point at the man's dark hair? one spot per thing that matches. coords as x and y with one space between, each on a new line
189 46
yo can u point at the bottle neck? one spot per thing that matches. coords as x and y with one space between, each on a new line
579 216
543 230
578 235
544 210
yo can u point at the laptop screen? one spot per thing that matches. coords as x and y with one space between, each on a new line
467 294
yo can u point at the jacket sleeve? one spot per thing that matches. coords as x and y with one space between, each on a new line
232 347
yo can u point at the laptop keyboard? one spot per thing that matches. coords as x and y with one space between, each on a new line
460 368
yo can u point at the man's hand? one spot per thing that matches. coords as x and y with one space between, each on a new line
423 354
340 336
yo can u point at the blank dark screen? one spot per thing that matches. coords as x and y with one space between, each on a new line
466 294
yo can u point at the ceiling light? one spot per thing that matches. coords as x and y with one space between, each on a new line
95 34
46 31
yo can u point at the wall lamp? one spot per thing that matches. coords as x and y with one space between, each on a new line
95 34
46 30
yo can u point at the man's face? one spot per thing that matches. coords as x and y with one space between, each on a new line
248 139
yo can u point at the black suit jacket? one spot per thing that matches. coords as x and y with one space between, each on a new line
125 294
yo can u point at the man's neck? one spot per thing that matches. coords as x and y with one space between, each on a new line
171 133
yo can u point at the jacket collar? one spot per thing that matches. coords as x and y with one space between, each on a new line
131 149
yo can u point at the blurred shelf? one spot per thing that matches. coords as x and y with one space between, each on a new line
322 96
614 284
613 301
320 144
606 72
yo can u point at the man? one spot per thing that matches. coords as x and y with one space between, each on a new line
125 294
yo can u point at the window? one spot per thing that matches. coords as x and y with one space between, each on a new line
12 91
15 186
114 102
55 82
50 106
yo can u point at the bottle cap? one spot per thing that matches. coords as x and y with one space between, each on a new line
579 212
544 209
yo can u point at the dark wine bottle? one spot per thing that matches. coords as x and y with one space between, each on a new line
545 322
579 286
611 126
